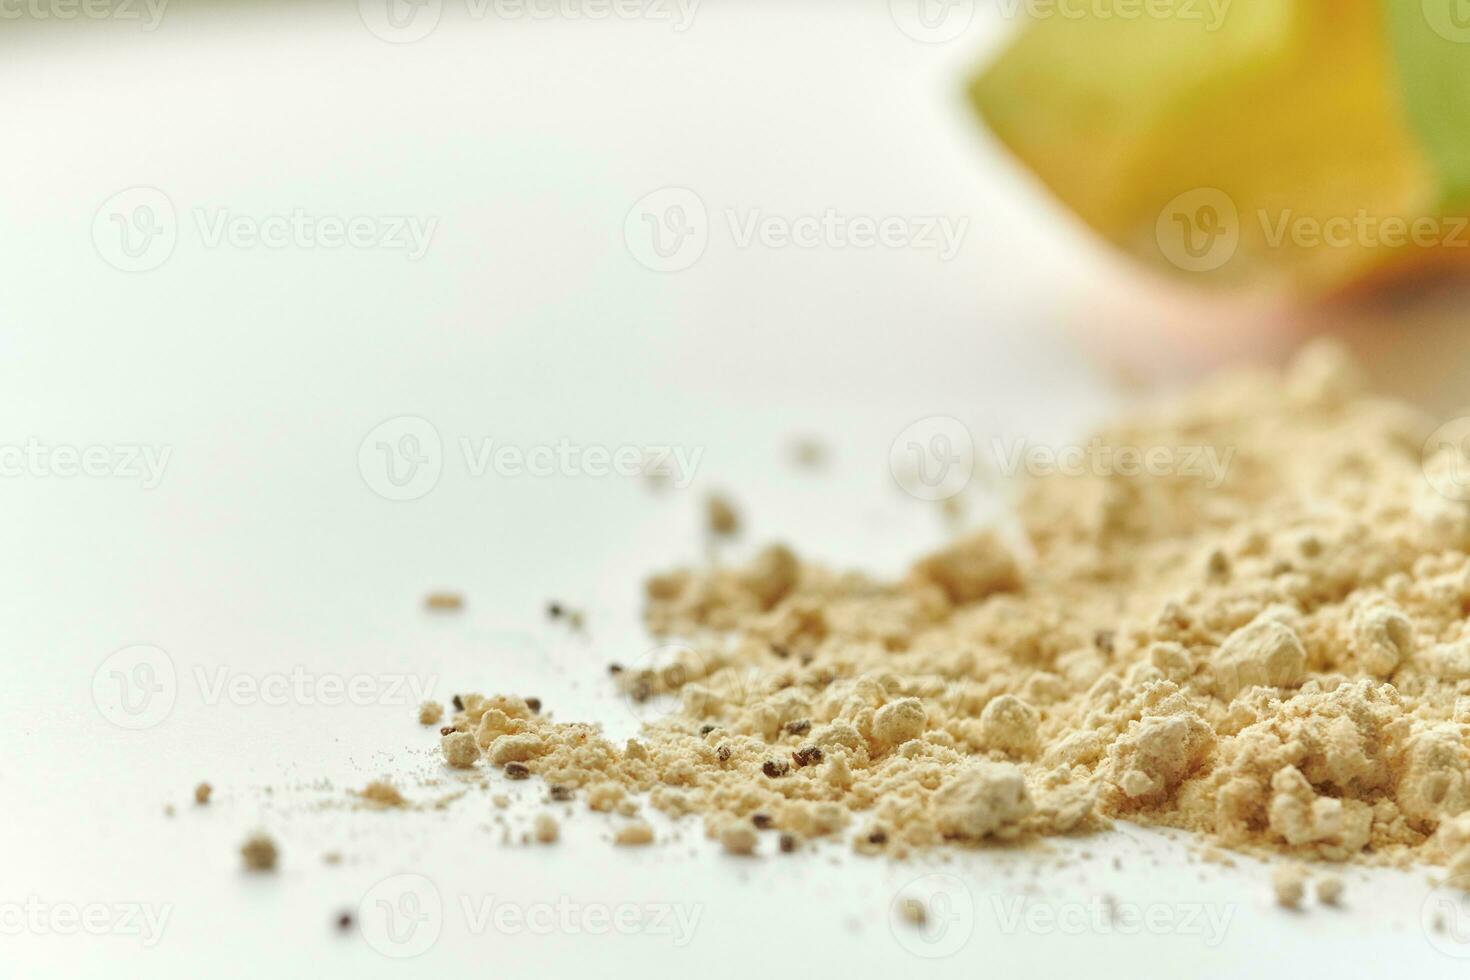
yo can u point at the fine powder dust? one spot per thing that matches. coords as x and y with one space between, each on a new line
1275 657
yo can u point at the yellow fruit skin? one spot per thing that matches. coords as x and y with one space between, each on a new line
1290 109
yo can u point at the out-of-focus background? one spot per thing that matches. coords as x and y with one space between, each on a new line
309 309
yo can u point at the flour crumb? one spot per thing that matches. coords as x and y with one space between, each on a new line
202 793
546 828
990 798
1289 882
720 515
913 911
382 793
460 750
431 713
809 453
738 838
634 835
444 602
259 853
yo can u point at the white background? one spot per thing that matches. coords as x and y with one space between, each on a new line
263 549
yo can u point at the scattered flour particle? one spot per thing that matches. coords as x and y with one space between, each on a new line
1290 884
634 835
912 911
721 516
259 853
382 793
202 793
547 830
738 838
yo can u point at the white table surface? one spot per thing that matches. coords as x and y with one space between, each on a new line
263 550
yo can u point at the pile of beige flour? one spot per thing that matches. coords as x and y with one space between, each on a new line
1279 662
